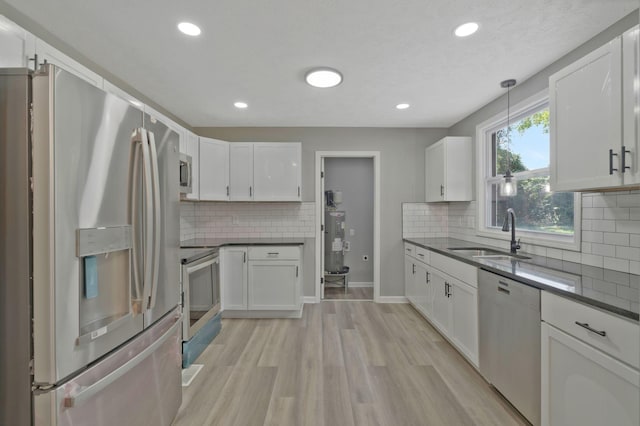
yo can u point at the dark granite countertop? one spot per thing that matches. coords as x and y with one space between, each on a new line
220 242
613 291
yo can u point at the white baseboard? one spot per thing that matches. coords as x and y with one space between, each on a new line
263 314
392 299
309 299
360 284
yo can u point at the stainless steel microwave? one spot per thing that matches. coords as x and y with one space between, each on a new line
185 174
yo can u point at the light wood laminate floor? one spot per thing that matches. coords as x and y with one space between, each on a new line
353 293
342 363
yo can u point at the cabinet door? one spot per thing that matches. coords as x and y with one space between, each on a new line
457 169
465 319
583 386
274 285
434 173
421 284
214 170
441 304
192 148
585 112
631 105
233 278
16 45
52 55
277 171
241 171
409 279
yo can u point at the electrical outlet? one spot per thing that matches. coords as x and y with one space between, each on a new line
365 258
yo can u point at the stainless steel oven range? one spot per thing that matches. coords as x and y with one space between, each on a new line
200 300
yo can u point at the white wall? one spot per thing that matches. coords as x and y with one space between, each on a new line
354 177
401 169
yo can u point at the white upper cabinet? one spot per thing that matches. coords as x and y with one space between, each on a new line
241 171
592 112
17 46
277 171
192 148
448 170
52 55
631 105
214 170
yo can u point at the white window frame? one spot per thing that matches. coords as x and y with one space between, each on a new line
483 165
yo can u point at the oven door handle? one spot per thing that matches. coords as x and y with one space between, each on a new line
203 264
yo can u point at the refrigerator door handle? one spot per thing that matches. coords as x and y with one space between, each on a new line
133 213
90 391
148 219
157 219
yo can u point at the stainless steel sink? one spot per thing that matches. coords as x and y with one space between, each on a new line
486 253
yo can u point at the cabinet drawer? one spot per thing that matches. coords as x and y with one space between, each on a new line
621 340
409 249
422 255
460 270
274 252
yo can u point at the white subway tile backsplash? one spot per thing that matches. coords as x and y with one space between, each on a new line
242 220
616 239
593 213
628 200
603 250
616 264
604 225
592 237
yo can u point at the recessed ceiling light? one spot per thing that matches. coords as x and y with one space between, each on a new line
240 105
403 106
189 29
467 29
323 77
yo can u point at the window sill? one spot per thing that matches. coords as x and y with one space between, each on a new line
533 238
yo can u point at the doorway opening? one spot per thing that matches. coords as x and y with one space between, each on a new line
348 230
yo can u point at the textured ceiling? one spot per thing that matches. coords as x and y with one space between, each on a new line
390 51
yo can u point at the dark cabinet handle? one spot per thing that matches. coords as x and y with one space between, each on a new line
442 190
503 290
611 155
227 190
298 191
250 192
623 159
414 269
428 280
593 330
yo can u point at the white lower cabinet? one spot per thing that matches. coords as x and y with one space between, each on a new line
589 359
261 281
441 317
273 285
233 277
465 319
450 303
584 386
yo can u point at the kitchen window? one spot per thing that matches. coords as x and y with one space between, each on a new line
543 217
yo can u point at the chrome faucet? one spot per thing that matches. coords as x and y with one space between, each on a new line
515 245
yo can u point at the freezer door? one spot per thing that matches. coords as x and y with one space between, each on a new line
82 231
137 385
166 292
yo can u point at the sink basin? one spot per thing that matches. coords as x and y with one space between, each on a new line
486 253
477 251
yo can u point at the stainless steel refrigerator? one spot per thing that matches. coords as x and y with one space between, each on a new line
90 327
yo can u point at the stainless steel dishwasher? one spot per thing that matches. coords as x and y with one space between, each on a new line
510 341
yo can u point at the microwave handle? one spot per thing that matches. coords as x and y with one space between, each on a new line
189 175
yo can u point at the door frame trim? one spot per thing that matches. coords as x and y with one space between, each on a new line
375 155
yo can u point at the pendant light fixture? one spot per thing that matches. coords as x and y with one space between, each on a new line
509 186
